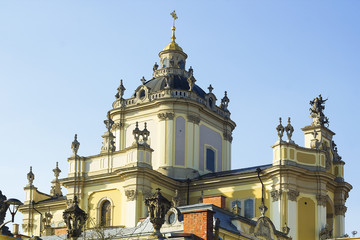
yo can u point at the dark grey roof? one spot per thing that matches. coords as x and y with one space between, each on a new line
53 199
231 172
176 82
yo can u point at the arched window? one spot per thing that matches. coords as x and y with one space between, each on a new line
181 64
105 213
210 160
165 63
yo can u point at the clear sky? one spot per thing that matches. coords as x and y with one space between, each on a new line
61 62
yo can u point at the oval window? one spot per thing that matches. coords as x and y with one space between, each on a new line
142 94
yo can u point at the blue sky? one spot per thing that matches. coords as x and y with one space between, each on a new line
61 62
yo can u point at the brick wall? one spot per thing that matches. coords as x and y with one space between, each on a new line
60 230
216 200
199 223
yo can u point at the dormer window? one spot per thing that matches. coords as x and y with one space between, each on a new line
211 102
142 94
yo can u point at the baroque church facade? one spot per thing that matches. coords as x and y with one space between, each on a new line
173 135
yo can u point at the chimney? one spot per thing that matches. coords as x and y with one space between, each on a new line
218 200
16 230
199 222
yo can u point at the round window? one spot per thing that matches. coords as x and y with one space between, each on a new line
171 218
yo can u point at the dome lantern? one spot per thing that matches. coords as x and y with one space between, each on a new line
172 56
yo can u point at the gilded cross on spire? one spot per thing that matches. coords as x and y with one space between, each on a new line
173 14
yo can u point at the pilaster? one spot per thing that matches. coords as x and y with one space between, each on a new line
339 220
190 144
292 213
130 206
276 213
321 212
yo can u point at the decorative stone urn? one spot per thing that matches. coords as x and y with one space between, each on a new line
75 219
158 206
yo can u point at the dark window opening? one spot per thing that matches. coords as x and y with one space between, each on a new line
105 213
210 160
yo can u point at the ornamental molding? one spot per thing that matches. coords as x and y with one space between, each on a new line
276 195
292 195
131 194
321 200
227 136
166 116
193 119
340 210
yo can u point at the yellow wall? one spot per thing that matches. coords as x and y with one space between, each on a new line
114 197
306 219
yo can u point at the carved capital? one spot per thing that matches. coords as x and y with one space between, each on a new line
117 125
340 210
166 116
321 200
275 195
130 194
292 195
227 136
193 119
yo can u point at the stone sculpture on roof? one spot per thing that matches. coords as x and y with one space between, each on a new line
316 111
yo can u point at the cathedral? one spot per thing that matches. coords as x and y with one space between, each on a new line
173 138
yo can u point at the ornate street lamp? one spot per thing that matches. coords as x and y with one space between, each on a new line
158 206
13 205
75 219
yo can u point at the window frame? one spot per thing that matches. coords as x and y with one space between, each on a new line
242 205
99 209
206 147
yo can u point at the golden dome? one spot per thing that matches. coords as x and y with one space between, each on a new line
172 46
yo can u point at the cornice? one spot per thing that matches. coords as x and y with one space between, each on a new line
174 101
53 205
126 173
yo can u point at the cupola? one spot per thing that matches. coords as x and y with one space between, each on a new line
172 56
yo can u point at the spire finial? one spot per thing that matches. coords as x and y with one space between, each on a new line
75 145
121 89
210 88
30 177
280 130
173 14
289 130
56 171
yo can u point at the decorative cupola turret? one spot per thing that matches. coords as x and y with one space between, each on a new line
172 57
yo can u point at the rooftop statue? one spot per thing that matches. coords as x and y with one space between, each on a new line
316 111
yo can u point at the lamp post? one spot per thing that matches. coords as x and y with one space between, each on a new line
13 208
